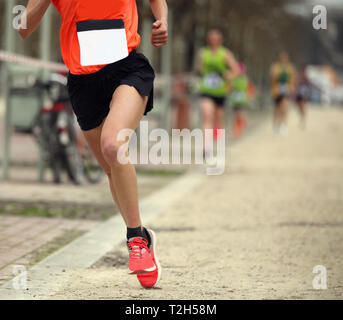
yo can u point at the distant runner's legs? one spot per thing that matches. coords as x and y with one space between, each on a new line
284 116
239 123
276 118
220 113
280 116
208 109
302 105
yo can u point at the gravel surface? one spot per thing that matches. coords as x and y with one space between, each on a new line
255 232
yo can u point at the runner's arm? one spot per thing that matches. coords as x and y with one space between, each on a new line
34 13
293 79
232 64
159 35
198 62
272 74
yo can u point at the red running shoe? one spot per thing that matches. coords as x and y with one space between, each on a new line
150 279
141 257
215 133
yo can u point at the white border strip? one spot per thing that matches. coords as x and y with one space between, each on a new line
16 58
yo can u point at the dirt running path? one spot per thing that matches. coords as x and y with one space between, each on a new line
255 232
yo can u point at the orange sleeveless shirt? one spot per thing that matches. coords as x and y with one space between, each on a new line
73 11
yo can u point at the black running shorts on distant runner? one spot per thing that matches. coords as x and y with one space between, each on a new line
279 98
218 101
91 94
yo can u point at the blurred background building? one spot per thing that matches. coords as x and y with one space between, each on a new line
254 30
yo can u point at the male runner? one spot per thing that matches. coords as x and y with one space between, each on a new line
239 100
217 66
303 88
111 87
282 75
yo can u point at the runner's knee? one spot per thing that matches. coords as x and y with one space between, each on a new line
112 150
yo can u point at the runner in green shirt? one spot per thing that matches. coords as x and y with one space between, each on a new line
239 100
217 67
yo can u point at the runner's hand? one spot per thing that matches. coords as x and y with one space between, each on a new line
159 35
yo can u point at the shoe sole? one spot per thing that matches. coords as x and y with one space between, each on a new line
154 242
143 271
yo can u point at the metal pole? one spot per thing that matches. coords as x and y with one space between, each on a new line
45 39
10 32
45 55
9 46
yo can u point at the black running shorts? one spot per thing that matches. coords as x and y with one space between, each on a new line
91 94
278 99
218 101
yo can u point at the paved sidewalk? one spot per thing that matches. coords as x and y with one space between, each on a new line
25 240
20 238
24 189
255 232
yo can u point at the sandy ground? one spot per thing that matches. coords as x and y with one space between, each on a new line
255 232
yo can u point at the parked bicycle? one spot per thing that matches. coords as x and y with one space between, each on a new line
62 144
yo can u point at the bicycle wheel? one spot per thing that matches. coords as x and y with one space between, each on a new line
72 159
73 164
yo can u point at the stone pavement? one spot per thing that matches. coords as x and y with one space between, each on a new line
19 237
24 187
22 236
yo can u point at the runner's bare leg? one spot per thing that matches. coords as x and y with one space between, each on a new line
126 111
208 117
93 139
220 114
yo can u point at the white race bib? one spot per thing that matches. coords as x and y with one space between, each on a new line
238 96
283 89
213 81
304 90
102 41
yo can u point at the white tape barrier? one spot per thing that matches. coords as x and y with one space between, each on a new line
32 62
60 67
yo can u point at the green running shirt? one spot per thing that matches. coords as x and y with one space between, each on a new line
214 69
